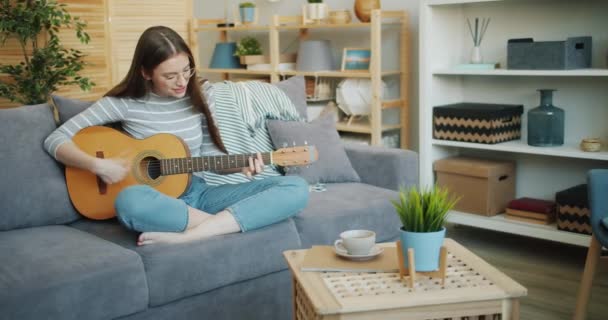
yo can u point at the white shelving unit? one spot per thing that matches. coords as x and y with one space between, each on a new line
583 94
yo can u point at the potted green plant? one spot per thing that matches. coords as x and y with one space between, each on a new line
316 10
247 12
46 63
249 50
423 214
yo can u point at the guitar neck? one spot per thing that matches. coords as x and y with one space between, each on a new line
209 163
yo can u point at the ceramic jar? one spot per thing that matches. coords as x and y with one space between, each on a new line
363 9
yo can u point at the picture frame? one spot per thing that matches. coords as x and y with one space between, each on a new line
356 59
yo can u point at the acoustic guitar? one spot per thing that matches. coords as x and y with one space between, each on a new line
161 161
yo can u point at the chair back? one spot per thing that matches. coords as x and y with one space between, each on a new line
597 180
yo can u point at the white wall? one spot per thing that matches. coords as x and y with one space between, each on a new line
211 9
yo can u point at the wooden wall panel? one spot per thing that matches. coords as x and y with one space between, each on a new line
114 27
130 18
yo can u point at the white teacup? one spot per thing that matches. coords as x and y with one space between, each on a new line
356 242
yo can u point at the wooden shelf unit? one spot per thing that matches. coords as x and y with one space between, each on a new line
374 127
540 172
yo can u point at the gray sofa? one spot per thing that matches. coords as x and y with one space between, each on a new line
55 264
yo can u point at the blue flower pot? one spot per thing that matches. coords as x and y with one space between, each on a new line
247 15
427 247
223 56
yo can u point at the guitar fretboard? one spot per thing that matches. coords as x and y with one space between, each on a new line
208 163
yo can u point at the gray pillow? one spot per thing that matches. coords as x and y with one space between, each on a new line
295 89
68 108
333 164
33 190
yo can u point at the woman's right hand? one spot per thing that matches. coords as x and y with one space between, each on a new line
110 170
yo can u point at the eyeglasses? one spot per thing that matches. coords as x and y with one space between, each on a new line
187 74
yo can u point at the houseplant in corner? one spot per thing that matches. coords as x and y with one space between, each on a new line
423 214
46 64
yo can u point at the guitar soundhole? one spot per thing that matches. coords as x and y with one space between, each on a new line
151 166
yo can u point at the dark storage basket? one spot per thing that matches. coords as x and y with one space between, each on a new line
573 210
477 122
574 53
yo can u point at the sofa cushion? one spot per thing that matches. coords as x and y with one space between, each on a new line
67 107
182 270
345 206
295 89
333 164
33 190
58 272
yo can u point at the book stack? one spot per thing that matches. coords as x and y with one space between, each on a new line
531 210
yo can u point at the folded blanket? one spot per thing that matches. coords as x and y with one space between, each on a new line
241 110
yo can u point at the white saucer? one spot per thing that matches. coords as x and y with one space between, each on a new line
341 251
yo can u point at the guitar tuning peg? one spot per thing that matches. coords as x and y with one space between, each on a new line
305 142
294 143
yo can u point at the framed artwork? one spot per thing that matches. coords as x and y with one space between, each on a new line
356 59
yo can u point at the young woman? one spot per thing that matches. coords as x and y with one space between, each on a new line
160 93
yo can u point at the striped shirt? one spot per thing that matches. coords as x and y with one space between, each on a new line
142 118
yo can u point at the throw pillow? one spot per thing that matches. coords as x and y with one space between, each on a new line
33 191
605 222
67 108
333 164
295 89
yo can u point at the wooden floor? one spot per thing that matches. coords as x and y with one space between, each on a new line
550 271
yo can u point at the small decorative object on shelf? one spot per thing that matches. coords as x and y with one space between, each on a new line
315 55
477 33
546 122
573 53
422 214
356 59
315 11
591 144
339 17
354 96
223 56
363 9
320 89
248 13
248 46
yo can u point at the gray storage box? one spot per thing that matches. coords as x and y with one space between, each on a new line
574 53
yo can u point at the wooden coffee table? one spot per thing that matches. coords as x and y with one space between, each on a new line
473 288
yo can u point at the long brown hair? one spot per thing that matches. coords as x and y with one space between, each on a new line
156 45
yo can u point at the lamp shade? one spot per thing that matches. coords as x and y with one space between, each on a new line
223 56
315 55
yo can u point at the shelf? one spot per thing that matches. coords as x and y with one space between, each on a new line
337 74
520 146
325 26
363 127
542 73
456 2
235 28
237 71
500 223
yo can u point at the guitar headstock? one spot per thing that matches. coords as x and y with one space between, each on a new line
295 156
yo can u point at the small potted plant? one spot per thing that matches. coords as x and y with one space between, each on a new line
316 10
247 12
423 214
249 51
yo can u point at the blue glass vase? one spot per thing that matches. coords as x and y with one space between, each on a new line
546 122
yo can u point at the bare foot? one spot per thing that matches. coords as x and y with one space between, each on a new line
221 223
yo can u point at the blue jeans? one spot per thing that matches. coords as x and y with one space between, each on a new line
253 204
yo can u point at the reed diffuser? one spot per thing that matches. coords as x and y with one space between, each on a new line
477 31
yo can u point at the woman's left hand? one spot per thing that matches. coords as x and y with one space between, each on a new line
256 165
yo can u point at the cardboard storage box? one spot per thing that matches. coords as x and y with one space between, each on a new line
573 212
484 186
477 122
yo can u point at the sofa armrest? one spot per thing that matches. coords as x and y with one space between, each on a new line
384 167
